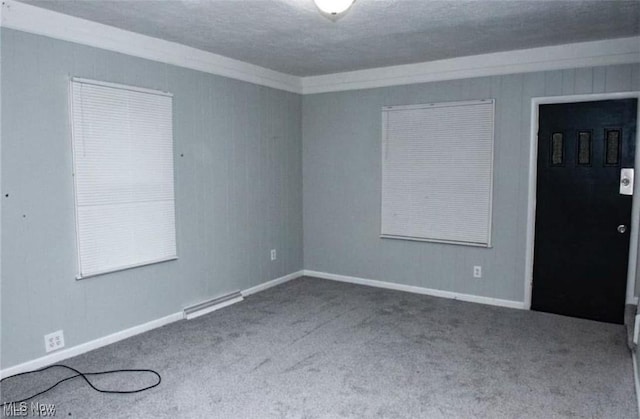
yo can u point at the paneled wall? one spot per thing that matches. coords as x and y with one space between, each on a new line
238 192
342 178
253 167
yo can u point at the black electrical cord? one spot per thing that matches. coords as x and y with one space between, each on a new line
84 376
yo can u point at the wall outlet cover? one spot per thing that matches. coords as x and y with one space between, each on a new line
54 341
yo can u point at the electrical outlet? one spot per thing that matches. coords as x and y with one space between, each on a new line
477 271
54 341
274 255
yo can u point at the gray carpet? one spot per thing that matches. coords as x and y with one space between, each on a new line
316 348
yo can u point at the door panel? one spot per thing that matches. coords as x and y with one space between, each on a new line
580 258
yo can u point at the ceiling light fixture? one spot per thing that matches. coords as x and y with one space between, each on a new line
333 8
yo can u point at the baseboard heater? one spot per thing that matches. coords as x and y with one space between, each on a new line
214 304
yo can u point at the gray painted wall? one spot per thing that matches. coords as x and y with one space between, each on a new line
238 195
240 190
342 177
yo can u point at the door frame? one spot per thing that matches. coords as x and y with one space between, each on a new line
533 177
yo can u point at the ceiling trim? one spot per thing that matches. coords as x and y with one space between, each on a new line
28 18
584 54
36 20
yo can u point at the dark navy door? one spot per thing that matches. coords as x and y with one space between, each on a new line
583 222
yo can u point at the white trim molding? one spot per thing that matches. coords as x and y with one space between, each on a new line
533 173
89 346
124 334
636 381
272 283
36 20
584 54
417 290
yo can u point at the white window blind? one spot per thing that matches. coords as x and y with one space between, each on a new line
123 171
437 172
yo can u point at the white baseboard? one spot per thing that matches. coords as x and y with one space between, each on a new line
89 346
418 290
123 334
272 283
118 336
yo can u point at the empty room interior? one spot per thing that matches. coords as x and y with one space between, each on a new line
319 208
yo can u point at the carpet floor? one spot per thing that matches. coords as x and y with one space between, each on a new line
314 348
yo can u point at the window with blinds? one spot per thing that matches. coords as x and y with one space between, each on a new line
437 172
123 172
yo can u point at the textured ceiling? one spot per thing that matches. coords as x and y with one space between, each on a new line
292 37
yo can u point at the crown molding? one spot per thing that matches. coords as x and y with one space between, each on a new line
584 54
36 20
32 19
